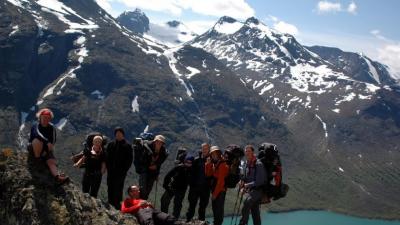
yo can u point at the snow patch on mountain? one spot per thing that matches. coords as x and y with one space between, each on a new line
14 31
323 125
61 124
228 28
266 88
347 98
305 76
18 3
60 10
172 64
135 104
372 70
193 71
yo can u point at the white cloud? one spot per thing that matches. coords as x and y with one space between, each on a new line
199 26
388 52
377 34
390 55
352 8
326 7
287 28
235 8
105 4
282 26
334 7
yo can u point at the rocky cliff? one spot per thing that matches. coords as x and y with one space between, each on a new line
28 195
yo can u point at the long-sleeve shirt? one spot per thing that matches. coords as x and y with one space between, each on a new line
133 206
254 174
218 171
119 157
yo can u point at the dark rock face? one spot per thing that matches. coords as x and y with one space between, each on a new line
29 195
173 23
135 21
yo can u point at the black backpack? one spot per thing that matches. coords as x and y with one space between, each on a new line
141 150
180 156
269 155
233 154
87 146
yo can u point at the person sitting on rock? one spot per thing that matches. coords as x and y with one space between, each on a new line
42 140
144 210
95 167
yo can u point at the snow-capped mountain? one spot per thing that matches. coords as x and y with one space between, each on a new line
171 33
135 21
270 62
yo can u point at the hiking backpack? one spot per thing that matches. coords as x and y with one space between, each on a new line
274 188
233 155
180 156
87 146
141 150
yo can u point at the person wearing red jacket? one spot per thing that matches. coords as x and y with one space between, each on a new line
144 210
217 168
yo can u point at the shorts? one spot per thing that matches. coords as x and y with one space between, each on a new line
45 155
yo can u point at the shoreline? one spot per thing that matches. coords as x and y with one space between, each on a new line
322 210
333 211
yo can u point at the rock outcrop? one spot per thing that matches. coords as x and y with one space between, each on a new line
29 195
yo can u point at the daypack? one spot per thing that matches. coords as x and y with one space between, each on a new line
233 154
274 188
141 150
87 146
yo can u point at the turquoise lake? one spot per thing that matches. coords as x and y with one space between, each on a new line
313 218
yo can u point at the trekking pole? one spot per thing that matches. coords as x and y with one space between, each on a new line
234 208
155 194
238 209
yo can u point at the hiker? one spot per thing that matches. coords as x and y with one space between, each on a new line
253 179
149 166
175 185
119 157
217 169
199 188
95 167
41 143
144 210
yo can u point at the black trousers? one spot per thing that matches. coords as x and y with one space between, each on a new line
115 185
150 216
91 183
146 182
218 205
178 196
251 204
196 194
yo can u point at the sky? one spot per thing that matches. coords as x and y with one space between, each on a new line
365 26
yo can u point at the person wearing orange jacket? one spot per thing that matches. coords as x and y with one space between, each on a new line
217 168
